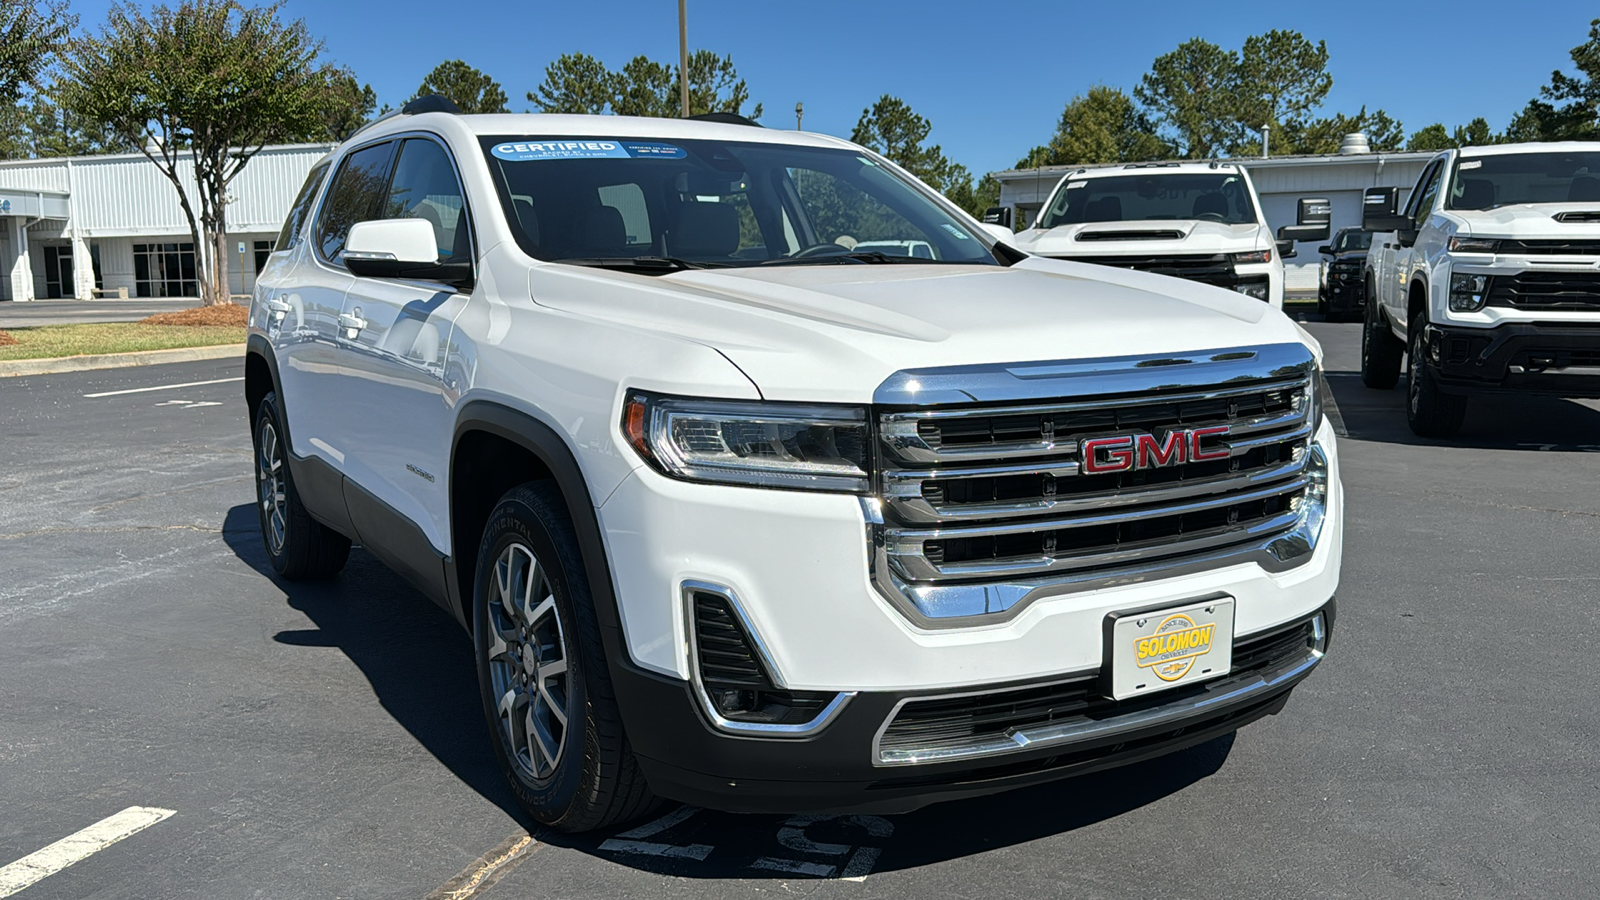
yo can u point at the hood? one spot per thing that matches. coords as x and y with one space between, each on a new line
1158 236
1526 220
834 333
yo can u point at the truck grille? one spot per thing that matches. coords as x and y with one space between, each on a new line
946 728
1212 268
1546 291
978 493
1550 248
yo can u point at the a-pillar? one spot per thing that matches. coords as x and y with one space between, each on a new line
22 267
82 269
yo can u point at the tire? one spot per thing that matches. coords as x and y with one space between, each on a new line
1322 307
1380 351
542 674
299 547
1430 412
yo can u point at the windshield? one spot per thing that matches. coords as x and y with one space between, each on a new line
1207 196
1352 240
1550 177
716 203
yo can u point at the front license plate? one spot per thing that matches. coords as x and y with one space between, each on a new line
1156 650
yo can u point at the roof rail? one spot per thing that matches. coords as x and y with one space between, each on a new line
1151 165
430 103
726 118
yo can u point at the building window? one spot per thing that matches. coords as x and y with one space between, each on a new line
263 250
165 270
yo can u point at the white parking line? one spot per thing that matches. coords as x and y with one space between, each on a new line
162 387
77 847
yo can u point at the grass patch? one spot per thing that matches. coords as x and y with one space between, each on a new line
49 341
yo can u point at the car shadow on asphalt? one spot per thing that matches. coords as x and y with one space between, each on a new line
416 657
419 663
1494 422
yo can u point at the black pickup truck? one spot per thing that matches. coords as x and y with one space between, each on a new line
1341 293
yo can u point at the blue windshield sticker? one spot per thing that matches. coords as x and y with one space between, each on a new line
959 234
524 151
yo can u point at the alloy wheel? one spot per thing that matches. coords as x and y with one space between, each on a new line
527 656
270 488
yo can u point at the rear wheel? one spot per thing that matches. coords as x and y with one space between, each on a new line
299 547
1430 411
1380 351
542 670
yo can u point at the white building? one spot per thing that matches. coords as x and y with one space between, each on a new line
1280 181
98 225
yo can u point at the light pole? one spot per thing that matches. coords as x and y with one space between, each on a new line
799 114
683 56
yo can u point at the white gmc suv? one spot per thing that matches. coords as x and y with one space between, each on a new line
1199 221
741 512
1486 281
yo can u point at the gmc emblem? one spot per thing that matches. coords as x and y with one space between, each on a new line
1130 452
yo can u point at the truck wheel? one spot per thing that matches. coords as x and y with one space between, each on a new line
542 670
1429 411
299 547
1380 351
1322 307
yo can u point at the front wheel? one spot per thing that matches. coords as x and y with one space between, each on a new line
1380 351
1429 411
299 547
542 672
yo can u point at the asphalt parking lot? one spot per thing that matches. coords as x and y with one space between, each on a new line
325 741
34 313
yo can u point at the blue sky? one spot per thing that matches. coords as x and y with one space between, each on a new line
992 77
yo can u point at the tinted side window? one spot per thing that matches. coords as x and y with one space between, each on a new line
425 187
290 235
1427 192
356 195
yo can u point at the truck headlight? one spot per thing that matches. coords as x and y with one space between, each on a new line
1257 290
1468 292
1252 258
1474 245
773 445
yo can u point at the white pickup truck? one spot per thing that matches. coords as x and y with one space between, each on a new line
1199 221
1488 280
745 506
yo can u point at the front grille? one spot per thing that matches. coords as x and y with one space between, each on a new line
1550 248
1546 291
981 493
930 729
1212 268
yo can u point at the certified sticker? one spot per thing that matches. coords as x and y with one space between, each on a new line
1171 651
529 151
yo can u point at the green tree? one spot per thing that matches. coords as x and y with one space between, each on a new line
1432 137
52 130
1190 92
1476 133
715 86
975 198
351 106
891 128
465 86
575 83
1568 108
31 35
645 87
210 80
1104 126
1384 134
1280 79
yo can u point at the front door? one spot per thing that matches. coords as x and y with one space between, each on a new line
393 406
1403 257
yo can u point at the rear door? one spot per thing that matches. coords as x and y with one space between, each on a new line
393 404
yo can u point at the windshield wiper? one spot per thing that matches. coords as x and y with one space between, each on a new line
662 264
864 257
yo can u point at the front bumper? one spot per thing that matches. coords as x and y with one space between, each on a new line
1522 357
846 767
1347 294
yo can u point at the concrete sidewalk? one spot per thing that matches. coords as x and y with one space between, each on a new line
76 312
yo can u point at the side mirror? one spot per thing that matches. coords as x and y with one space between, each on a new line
1001 233
1378 210
1325 250
997 215
1311 221
1286 250
400 248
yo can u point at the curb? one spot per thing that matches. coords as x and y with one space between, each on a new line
18 367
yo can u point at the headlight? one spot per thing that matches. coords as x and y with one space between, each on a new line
1473 245
774 445
1254 257
1468 292
1255 289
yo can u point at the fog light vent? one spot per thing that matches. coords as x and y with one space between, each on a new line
738 685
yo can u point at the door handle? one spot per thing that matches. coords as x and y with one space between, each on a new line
352 323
